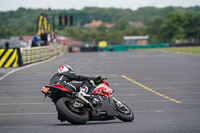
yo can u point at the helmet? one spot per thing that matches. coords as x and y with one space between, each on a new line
65 68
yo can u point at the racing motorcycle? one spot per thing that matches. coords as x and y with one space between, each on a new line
78 108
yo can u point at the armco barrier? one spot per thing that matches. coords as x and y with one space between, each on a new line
10 57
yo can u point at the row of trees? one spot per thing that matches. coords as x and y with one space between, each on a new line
161 24
177 27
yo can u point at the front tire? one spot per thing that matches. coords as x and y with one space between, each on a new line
125 114
72 114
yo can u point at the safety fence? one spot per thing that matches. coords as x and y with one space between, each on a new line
15 57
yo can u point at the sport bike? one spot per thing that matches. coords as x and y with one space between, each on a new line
78 108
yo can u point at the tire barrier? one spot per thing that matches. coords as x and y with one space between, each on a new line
10 57
31 55
76 49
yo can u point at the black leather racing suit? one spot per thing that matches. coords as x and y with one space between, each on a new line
66 79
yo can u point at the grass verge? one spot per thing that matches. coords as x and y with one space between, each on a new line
191 50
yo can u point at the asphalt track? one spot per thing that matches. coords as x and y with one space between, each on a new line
163 89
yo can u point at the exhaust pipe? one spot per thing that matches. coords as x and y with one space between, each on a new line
80 97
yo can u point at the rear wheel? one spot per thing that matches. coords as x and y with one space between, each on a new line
124 112
70 113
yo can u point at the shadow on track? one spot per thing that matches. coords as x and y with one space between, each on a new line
90 123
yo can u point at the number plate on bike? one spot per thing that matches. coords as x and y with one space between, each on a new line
45 89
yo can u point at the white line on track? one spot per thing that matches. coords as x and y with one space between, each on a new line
18 90
25 104
197 93
136 111
146 101
192 82
33 97
135 101
183 110
8 114
15 70
159 101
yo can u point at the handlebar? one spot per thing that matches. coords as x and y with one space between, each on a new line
104 78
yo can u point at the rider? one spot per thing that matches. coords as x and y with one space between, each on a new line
65 76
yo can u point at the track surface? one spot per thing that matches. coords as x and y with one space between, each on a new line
158 77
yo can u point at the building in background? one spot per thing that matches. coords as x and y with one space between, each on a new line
97 23
68 41
135 40
136 24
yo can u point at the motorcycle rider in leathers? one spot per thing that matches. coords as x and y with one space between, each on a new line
65 77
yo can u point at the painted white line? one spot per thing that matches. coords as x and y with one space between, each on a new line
9 114
135 111
157 111
154 94
2 104
186 53
15 70
171 87
19 90
195 82
130 95
122 89
34 97
146 101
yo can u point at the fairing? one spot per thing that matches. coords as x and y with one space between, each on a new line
103 89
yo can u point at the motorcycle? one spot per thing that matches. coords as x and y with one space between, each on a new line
78 108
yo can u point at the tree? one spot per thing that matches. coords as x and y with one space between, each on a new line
153 29
121 24
29 29
102 27
193 27
3 32
173 27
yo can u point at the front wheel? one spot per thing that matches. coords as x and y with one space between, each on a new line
70 113
124 112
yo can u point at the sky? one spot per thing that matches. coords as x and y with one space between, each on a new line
7 5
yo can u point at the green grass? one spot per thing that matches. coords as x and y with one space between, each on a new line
193 50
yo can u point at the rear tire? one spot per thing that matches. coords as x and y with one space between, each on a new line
127 115
72 114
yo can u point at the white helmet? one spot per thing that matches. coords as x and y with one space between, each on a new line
65 68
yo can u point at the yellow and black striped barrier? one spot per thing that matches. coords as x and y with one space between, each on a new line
10 57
